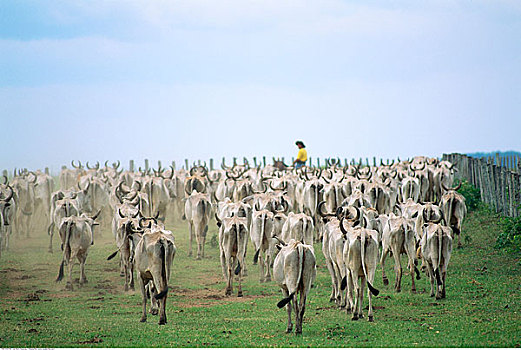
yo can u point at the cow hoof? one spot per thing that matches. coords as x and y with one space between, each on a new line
370 319
239 293
298 332
354 318
413 291
332 299
228 292
68 286
162 322
289 329
438 297
50 250
198 258
398 290
386 281
190 254
143 319
261 280
154 311
126 288
121 274
268 279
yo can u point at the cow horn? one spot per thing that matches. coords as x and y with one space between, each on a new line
219 222
135 215
172 173
74 166
6 180
35 177
280 240
120 188
341 225
115 166
11 193
106 164
321 212
120 214
96 215
139 184
88 167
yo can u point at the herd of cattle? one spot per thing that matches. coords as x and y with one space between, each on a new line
360 214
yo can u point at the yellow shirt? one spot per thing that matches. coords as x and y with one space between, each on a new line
302 155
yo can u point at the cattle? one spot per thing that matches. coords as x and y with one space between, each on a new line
23 186
332 248
43 189
294 269
6 214
233 233
154 254
261 232
436 249
454 210
126 237
361 258
197 212
76 233
62 207
299 227
399 237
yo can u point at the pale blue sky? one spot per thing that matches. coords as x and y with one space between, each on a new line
168 80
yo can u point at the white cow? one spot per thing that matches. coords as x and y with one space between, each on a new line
294 269
436 249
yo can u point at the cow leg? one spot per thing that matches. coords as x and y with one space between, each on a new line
121 266
443 277
223 265
50 232
267 277
191 229
162 310
432 278
349 292
261 269
239 291
83 278
229 288
363 283
411 269
356 290
397 269
131 264
302 308
385 280
329 266
70 262
142 284
154 304
289 328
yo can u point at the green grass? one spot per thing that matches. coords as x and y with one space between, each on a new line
482 308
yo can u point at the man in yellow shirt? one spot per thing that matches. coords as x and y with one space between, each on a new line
302 155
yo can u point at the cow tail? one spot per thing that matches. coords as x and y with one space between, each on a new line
300 263
449 214
162 256
440 246
363 242
67 249
261 237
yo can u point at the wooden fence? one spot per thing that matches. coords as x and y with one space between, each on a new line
497 179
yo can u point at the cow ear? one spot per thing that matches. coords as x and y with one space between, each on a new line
415 215
279 246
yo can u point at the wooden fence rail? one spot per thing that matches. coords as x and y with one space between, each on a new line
497 179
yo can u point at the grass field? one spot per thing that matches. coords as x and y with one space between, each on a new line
482 308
